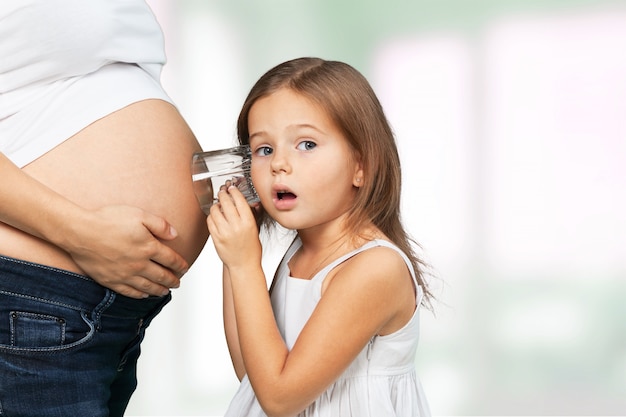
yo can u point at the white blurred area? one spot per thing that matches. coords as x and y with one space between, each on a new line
511 124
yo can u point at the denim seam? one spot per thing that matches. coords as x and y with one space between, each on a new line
45 267
42 300
101 308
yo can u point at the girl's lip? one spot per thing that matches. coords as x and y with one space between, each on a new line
279 189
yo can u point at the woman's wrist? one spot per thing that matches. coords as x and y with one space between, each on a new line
66 226
32 207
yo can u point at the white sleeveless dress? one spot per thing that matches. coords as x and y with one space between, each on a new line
380 382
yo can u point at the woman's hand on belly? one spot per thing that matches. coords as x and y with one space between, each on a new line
119 247
102 202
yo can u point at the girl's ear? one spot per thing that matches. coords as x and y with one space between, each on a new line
357 180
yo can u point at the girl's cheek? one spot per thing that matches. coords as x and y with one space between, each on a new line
256 178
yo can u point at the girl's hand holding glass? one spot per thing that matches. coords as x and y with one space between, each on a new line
233 228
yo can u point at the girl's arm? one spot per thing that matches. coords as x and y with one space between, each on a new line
117 246
367 296
230 326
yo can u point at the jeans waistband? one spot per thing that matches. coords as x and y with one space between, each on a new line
32 280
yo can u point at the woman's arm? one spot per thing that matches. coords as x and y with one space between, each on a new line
118 246
367 296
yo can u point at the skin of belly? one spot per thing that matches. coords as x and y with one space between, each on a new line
139 156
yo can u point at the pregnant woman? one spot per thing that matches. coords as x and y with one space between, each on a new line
98 219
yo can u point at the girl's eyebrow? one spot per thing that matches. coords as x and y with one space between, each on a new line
252 135
306 126
292 127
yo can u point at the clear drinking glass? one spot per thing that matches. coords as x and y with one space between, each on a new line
213 169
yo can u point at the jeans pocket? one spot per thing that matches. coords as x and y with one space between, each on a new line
33 329
28 325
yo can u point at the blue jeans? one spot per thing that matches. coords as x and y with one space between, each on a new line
68 346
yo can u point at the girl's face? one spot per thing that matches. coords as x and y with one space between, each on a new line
302 166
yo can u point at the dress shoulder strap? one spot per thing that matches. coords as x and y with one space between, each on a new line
321 275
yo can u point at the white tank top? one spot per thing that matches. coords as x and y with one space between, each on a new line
67 63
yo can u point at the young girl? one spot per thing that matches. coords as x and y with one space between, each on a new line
338 334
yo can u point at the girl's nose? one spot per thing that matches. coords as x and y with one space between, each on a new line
280 162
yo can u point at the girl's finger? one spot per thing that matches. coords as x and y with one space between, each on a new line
228 207
237 196
212 218
246 213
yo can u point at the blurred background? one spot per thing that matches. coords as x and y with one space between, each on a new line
510 117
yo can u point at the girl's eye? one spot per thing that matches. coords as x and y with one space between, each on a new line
306 145
263 151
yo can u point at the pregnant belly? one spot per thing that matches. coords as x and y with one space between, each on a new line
139 156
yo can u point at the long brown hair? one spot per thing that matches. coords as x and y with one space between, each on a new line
352 104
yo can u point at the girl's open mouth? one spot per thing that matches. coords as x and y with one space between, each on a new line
285 195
